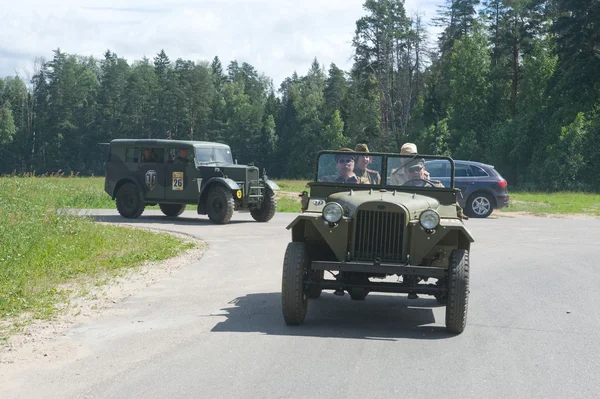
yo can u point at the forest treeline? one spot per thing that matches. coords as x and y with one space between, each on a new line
513 83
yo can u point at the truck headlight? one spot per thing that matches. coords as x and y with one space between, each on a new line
332 212
429 219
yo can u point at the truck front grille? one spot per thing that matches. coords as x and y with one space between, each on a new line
378 235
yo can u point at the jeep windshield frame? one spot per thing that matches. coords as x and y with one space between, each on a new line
332 169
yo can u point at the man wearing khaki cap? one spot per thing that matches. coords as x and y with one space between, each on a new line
410 169
363 173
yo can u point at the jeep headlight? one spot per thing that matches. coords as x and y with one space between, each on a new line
429 219
332 212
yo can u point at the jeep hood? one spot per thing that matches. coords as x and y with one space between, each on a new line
412 202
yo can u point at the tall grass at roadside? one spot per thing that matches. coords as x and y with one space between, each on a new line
554 203
41 248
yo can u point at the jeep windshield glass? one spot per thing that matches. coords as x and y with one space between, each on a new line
411 171
350 168
384 170
212 154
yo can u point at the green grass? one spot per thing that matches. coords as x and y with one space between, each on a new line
296 186
41 249
554 203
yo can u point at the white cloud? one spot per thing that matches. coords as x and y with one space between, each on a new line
277 37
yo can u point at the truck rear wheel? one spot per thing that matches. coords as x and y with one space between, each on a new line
129 203
220 205
294 300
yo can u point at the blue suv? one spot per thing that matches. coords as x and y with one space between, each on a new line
483 189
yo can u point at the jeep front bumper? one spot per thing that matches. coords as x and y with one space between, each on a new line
409 285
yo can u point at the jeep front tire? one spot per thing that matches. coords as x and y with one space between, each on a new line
129 203
458 291
294 300
173 210
220 205
267 209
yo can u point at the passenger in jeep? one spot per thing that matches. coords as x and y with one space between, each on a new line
345 166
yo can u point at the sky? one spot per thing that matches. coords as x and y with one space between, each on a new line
277 37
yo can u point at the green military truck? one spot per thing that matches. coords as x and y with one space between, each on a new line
404 235
177 173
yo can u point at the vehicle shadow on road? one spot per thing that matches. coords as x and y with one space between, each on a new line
378 317
161 220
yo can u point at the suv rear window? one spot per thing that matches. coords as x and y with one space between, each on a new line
477 171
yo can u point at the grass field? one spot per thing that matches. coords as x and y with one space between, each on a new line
555 203
41 248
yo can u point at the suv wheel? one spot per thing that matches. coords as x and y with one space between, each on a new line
267 210
219 205
480 205
458 291
294 299
128 201
172 209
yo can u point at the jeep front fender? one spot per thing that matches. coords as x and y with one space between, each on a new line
313 227
450 232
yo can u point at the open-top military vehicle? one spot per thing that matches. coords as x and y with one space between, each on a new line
400 233
174 173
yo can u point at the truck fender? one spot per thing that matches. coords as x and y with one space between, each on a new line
127 180
272 185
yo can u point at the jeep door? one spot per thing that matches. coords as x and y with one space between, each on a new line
151 173
181 173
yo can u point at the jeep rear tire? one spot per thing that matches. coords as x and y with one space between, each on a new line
219 205
129 203
294 300
267 210
173 210
458 291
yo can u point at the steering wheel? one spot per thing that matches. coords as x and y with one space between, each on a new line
424 181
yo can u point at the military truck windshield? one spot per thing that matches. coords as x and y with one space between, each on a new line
401 170
223 155
212 154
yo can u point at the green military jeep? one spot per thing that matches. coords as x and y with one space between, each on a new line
174 173
401 233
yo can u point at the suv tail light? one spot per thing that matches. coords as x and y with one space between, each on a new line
502 183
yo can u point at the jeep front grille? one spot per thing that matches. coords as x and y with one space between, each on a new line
378 235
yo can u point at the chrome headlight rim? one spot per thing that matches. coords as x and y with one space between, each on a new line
333 212
429 219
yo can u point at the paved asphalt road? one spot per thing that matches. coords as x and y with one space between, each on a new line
215 329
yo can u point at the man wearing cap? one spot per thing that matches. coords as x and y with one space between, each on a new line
363 173
410 169
345 166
